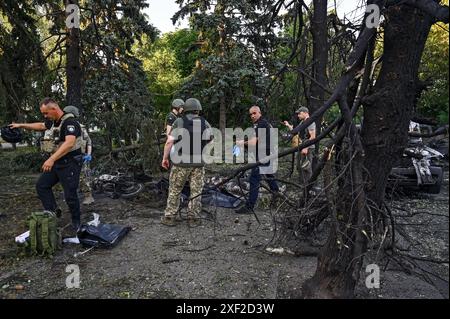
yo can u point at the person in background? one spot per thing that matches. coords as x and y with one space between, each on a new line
175 112
260 124
86 149
307 153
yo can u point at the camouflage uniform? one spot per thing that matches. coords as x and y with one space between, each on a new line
178 177
85 176
85 179
180 173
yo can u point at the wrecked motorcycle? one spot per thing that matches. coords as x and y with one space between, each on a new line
417 169
116 186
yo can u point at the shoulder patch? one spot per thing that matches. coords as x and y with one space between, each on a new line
71 128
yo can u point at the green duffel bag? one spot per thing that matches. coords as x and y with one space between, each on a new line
45 236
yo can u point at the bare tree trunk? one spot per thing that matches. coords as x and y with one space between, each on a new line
319 32
73 68
388 110
222 115
220 10
340 261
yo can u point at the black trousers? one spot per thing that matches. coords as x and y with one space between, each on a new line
66 172
255 179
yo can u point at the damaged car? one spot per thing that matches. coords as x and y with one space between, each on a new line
419 168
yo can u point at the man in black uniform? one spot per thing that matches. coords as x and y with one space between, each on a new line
62 142
260 125
177 108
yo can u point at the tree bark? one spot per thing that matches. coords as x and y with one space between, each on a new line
340 261
222 117
73 68
319 32
387 112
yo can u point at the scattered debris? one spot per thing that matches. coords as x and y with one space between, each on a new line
168 261
280 251
22 238
83 252
96 221
71 240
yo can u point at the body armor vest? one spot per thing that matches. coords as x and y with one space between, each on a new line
51 140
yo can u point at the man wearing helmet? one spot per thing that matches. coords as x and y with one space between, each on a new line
186 138
64 162
177 108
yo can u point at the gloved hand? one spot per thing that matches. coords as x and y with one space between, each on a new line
87 158
236 150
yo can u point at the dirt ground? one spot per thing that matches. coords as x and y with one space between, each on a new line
225 257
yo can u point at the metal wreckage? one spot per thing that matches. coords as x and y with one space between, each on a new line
421 165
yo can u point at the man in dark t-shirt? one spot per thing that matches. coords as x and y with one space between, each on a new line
262 142
63 145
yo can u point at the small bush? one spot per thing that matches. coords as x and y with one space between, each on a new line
22 159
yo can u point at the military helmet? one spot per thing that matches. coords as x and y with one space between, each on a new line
72 109
192 104
11 135
177 103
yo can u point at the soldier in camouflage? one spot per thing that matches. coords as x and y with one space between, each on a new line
188 164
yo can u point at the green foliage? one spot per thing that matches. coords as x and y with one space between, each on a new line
234 43
23 159
117 101
184 45
235 77
434 102
23 76
166 62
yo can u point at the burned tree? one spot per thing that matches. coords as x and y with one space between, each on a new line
387 112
